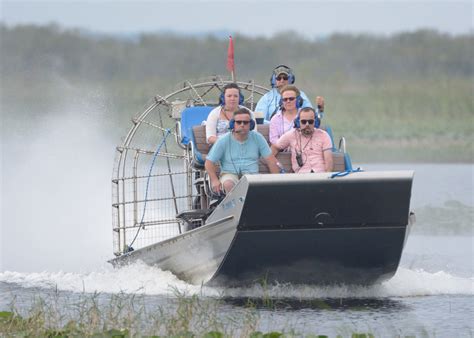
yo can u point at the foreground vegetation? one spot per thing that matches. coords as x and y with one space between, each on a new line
19 326
122 316
127 316
407 97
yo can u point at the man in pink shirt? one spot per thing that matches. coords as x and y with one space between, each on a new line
311 148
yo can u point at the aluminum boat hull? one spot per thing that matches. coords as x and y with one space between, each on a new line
294 228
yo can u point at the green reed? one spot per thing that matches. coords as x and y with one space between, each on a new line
390 120
127 315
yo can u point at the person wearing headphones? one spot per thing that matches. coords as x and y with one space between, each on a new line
283 120
238 153
269 103
311 147
217 123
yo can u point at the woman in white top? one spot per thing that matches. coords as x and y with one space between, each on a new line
217 123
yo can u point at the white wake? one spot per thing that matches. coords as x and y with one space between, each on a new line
143 279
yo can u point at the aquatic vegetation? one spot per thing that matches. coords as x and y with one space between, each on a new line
406 98
124 315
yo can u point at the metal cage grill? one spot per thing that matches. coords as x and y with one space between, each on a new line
153 179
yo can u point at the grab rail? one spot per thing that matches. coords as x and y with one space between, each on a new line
342 144
179 135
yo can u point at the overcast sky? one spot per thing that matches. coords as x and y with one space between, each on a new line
254 18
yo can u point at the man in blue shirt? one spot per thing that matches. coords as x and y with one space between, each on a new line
270 102
238 153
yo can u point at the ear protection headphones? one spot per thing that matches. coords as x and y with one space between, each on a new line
317 120
276 72
229 86
299 102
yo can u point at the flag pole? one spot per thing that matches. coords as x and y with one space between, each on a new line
230 59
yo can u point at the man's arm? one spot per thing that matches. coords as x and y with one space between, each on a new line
212 171
327 152
266 153
275 150
282 143
271 162
328 161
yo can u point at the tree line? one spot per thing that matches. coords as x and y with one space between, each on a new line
36 51
395 97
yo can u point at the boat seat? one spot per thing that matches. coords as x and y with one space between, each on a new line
201 147
338 161
284 158
191 117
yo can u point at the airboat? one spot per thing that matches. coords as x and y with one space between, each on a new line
349 226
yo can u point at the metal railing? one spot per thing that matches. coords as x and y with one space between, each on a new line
146 200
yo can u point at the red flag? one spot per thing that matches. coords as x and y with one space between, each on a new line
230 56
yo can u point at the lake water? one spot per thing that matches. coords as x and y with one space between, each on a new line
432 292
59 251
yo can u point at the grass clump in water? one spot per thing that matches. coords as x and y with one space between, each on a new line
125 315
130 315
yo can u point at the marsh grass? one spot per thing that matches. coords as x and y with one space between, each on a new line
404 121
124 315
397 120
127 315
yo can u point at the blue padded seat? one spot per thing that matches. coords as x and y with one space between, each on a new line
190 117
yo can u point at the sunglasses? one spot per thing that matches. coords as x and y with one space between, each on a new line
282 77
307 121
288 99
242 122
